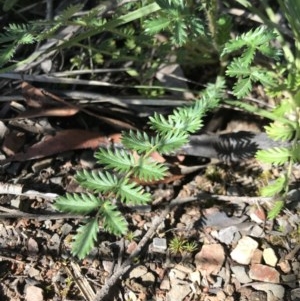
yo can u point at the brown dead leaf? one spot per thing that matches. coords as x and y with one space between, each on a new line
44 103
51 111
13 142
63 141
34 97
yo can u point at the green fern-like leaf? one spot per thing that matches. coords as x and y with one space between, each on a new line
237 68
295 153
181 120
188 119
265 78
148 170
118 160
6 53
155 26
279 131
276 209
98 181
131 193
69 12
138 141
251 39
85 238
180 33
27 38
78 203
248 56
172 141
242 87
274 188
113 221
276 155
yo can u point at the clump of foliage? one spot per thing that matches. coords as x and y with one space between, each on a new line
179 245
126 168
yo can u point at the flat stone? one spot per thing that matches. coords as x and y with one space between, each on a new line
285 266
244 250
270 257
295 294
241 274
160 243
227 235
178 292
165 284
33 293
257 231
195 277
148 279
176 274
274 291
138 271
107 266
183 268
290 280
210 259
264 273
257 256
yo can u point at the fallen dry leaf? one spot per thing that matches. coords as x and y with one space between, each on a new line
63 141
34 97
51 111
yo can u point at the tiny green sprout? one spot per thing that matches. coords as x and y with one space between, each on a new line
190 247
177 245
130 236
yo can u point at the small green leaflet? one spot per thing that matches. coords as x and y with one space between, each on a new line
242 87
172 141
131 193
276 209
276 155
85 238
274 188
82 203
149 170
118 160
156 25
113 221
280 131
98 181
138 141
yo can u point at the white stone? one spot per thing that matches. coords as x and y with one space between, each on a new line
241 274
270 257
244 250
195 277
138 271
